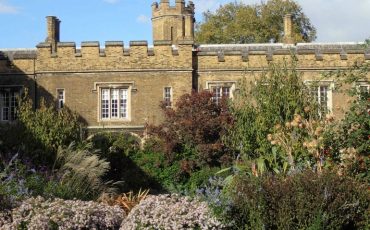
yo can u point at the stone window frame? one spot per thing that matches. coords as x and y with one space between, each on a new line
169 102
329 93
61 101
230 84
13 88
129 86
362 83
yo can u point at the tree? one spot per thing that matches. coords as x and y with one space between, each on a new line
273 100
194 129
240 23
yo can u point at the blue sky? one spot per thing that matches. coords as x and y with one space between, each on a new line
23 23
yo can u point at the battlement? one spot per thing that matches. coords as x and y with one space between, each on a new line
114 56
309 55
92 49
164 8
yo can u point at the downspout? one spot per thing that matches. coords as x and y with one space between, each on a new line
35 83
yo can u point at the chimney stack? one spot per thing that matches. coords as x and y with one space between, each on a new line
53 25
288 29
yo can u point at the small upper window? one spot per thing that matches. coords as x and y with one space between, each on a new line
220 92
61 98
322 94
363 89
167 96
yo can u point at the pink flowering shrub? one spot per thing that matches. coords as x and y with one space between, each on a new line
38 213
171 212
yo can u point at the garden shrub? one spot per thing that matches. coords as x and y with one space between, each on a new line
46 128
129 164
171 212
80 173
148 167
200 178
77 174
353 141
12 137
39 213
18 181
298 201
272 98
192 131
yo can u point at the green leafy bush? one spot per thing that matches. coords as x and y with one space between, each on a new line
46 128
270 100
128 164
303 200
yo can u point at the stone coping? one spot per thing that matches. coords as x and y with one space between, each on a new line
10 54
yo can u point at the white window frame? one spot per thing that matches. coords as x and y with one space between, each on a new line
221 84
329 94
14 92
124 91
61 101
168 98
360 84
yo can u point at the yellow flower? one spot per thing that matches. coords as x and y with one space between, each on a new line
297 118
318 131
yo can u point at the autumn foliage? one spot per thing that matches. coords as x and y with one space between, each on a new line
194 128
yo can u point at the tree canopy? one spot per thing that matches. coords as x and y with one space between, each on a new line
237 22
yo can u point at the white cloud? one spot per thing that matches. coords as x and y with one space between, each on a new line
7 9
143 19
111 1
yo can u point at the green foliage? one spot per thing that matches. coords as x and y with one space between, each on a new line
348 140
19 181
271 101
200 178
304 200
46 128
128 164
237 22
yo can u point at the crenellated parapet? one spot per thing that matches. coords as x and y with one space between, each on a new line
174 23
164 8
114 56
254 56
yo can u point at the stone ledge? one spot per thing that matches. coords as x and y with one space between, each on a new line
66 44
162 43
139 43
43 45
90 44
186 42
114 43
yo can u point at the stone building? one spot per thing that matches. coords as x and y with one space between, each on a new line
121 87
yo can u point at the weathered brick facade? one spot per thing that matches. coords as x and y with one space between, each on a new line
142 73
